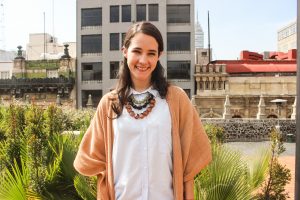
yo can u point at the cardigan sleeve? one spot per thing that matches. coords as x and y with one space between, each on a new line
91 156
196 150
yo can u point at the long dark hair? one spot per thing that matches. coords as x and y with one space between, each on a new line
158 79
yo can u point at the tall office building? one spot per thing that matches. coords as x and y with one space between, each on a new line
101 27
287 37
199 36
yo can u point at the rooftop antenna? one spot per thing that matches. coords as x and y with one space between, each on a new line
53 28
2 26
44 37
209 56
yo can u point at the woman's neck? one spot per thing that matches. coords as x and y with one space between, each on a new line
141 87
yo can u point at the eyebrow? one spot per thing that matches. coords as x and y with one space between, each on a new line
138 48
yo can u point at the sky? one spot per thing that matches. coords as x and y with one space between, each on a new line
22 17
235 25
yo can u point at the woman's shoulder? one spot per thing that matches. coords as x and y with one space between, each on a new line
109 97
175 91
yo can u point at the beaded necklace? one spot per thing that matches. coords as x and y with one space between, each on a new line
147 103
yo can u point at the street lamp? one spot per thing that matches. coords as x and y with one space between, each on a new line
279 103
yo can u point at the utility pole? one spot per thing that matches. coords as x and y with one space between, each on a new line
297 159
209 56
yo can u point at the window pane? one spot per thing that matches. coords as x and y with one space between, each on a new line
178 41
178 69
126 13
114 68
114 13
140 13
91 71
123 38
91 17
91 44
153 12
188 92
95 94
114 41
178 14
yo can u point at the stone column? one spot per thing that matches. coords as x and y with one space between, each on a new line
293 116
261 108
226 114
210 82
198 85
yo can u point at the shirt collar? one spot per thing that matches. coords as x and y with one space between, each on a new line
150 89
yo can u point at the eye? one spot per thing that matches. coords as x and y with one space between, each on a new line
152 54
136 51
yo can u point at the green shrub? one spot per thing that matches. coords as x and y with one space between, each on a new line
278 175
215 133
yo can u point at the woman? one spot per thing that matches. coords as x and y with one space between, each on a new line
146 140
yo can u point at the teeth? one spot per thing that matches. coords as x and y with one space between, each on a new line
142 68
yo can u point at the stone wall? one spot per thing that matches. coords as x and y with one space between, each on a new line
239 130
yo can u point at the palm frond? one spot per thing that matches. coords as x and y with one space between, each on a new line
259 167
15 184
85 188
224 178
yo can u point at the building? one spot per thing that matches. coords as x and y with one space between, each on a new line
199 36
40 81
6 63
6 69
287 37
237 87
100 31
45 46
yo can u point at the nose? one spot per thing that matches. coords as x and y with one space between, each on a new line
143 59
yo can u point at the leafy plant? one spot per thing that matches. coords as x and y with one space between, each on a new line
228 176
13 126
35 148
278 175
14 183
86 187
215 133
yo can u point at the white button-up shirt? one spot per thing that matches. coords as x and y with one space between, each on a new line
142 154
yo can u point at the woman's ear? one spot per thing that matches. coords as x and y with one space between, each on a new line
160 54
124 50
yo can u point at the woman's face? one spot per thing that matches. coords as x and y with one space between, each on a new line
142 56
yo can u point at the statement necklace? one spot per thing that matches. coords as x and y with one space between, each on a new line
147 103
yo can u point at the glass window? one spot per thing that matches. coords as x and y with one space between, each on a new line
179 41
114 69
188 92
178 69
126 13
91 71
178 14
114 41
4 75
141 12
91 44
91 17
114 13
95 96
153 12
123 38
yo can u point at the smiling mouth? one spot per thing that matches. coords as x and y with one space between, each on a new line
142 68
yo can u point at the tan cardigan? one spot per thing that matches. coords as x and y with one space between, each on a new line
191 147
